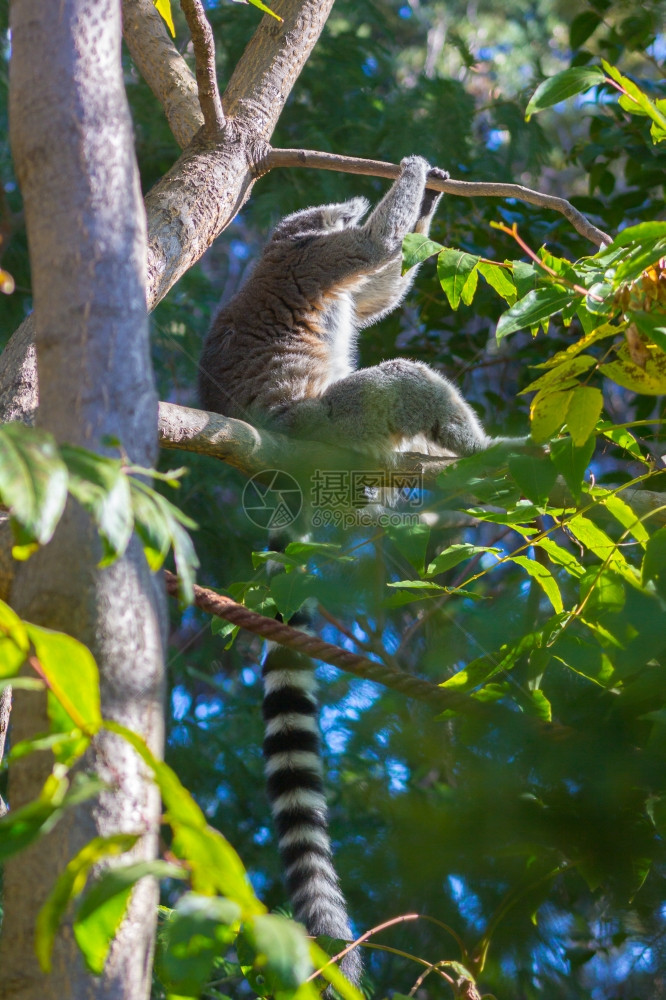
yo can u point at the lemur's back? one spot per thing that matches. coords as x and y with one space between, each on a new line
284 337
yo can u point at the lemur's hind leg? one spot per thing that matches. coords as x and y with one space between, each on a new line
383 406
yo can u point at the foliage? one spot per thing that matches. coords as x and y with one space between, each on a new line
36 477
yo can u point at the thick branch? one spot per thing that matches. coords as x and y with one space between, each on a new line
301 642
466 189
271 63
251 449
204 56
163 68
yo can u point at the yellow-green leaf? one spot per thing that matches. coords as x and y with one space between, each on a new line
544 578
650 380
69 885
164 8
583 412
71 674
548 412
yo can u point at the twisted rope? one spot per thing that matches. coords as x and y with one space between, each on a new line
318 649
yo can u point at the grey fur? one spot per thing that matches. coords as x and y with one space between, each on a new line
283 351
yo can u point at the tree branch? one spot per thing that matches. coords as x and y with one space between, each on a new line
465 189
163 68
251 449
204 56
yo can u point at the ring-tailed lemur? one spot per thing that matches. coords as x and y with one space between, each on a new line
283 352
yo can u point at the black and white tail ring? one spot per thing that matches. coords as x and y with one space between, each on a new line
295 788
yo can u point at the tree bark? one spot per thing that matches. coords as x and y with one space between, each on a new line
72 144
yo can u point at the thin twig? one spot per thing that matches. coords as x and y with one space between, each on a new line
203 44
466 189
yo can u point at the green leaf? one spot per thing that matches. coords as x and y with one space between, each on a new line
542 575
411 541
548 412
33 481
291 590
623 514
22 826
455 269
582 27
14 642
71 674
198 930
536 703
583 412
561 376
561 557
535 476
282 951
102 488
566 84
70 883
598 333
537 306
417 248
161 524
650 380
622 438
164 8
103 907
603 593
499 278
454 555
641 233
654 560
571 462
601 545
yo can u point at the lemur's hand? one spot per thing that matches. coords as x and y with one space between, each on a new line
431 198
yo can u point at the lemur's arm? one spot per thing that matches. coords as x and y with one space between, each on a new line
385 289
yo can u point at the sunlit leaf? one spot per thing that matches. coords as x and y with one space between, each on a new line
456 270
103 906
562 375
583 411
214 864
499 278
70 883
650 380
566 84
71 673
548 412
601 545
281 949
164 8
102 488
417 248
543 576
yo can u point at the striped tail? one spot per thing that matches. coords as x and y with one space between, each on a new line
296 792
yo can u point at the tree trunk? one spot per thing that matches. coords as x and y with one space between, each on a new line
72 144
